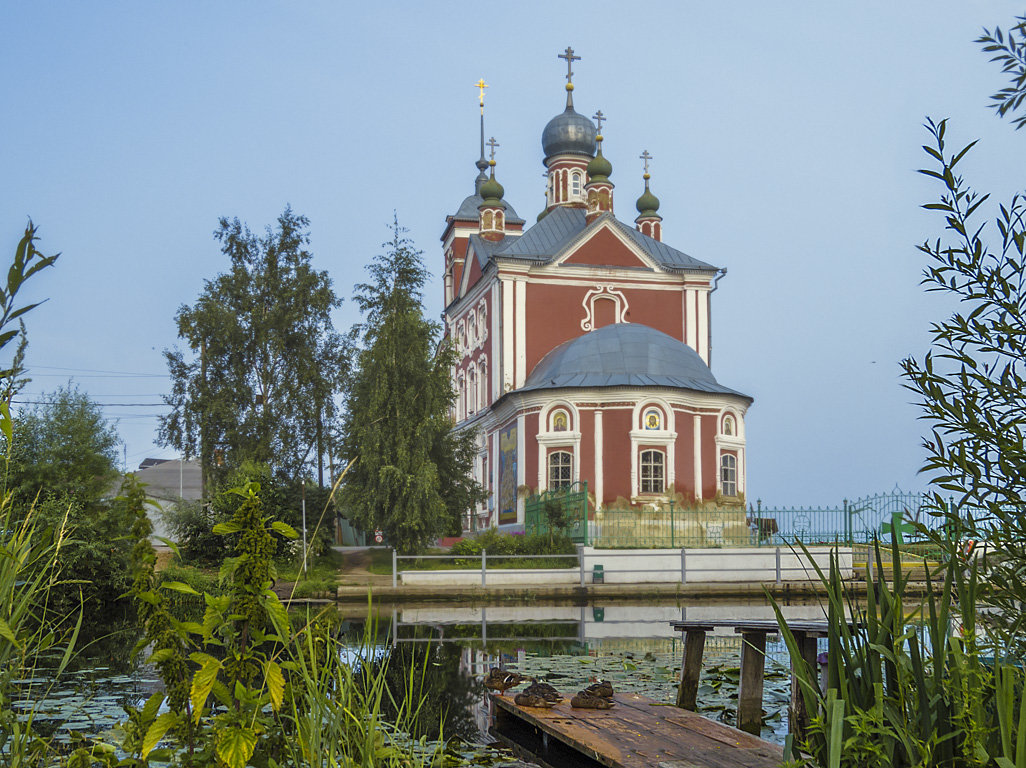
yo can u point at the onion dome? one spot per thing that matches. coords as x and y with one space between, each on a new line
648 204
599 168
569 133
492 191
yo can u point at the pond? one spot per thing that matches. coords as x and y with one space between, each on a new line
453 646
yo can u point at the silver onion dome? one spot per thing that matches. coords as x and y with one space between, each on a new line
569 133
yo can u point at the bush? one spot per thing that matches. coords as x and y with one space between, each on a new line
191 523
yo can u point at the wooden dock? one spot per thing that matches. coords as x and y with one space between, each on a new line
637 732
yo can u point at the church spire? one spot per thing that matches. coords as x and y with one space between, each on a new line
481 163
568 54
649 222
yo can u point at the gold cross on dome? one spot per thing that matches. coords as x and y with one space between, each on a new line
646 157
481 85
493 144
570 59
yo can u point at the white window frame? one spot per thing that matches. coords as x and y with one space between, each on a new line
566 465
661 464
728 474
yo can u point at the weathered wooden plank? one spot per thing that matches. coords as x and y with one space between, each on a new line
691 667
636 733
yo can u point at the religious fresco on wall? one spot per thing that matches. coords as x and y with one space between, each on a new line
508 475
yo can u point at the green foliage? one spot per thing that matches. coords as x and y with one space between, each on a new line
245 686
192 523
972 387
513 544
1010 51
408 469
26 263
63 447
908 685
264 367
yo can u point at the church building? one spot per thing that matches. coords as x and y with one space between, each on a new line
583 341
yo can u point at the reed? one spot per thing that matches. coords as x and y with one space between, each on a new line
908 685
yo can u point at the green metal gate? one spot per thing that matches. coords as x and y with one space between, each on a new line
569 502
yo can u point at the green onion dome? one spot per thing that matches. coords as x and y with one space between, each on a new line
648 204
492 190
599 169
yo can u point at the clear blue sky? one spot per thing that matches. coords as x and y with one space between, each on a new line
785 135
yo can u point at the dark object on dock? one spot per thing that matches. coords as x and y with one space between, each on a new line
585 700
637 733
502 680
603 688
544 690
753 658
532 700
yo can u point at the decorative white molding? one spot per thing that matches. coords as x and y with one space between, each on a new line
603 292
698 457
599 479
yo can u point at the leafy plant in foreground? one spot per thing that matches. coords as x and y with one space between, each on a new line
907 685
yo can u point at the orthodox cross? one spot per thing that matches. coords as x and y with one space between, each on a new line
570 59
646 157
481 85
493 144
599 118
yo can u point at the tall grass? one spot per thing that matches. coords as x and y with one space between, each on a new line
907 683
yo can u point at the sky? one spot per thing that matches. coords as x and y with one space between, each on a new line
785 140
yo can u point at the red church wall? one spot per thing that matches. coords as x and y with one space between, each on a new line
475 272
605 249
661 310
616 459
531 450
710 467
554 314
587 458
684 465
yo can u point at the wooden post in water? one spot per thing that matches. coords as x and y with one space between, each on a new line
753 664
798 715
691 668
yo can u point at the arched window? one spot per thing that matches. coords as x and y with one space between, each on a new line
461 397
471 391
575 184
482 377
728 474
560 469
486 220
728 425
653 471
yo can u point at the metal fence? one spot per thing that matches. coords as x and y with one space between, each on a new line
671 526
566 506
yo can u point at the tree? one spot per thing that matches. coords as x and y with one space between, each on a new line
64 447
407 468
972 386
264 369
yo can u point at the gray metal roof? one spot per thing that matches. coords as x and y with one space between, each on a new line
468 210
484 249
624 354
563 225
547 237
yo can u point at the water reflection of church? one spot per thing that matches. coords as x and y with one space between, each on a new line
583 341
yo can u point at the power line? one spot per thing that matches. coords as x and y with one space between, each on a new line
95 370
102 405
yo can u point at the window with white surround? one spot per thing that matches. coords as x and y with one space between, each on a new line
728 474
728 425
471 391
482 378
653 471
575 184
560 469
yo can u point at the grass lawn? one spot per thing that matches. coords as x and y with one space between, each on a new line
321 574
